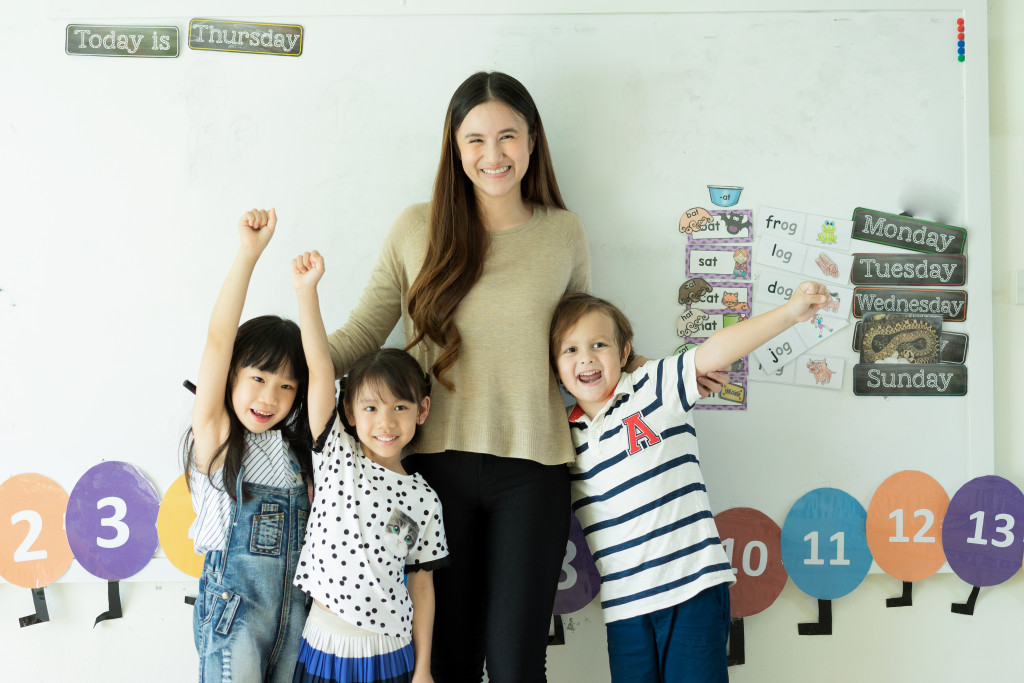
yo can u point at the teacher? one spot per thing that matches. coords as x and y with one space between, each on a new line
474 276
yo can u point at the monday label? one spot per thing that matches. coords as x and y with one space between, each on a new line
951 304
907 233
245 36
909 269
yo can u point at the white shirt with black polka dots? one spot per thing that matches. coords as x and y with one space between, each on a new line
368 526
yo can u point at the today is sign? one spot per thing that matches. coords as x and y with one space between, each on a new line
121 41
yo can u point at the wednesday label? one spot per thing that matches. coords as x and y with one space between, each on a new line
907 233
951 304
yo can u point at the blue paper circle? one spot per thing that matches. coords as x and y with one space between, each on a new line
824 543
960 51
959 43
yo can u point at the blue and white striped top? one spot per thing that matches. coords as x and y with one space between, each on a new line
268 461
639 494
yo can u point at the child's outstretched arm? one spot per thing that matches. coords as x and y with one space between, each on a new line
307 269
421 591
210 421
731 343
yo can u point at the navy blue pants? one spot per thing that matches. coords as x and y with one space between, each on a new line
686 643
507 526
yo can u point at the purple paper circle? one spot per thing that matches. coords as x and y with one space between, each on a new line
111 520
579 581
982 531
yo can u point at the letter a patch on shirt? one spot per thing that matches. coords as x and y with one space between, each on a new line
640 435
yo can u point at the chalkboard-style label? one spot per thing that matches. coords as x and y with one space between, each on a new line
952 345
122 41
907 233
951 304
245 36
909 269
939 379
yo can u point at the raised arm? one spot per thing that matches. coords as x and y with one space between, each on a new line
731 343
307 269
210 421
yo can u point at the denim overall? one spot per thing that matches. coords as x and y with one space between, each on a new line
248 616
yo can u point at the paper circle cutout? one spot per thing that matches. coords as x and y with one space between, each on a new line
982 531
111 520
34 550
175 517
579 581
904 525
753 543
824 544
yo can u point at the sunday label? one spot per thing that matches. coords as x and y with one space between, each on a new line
910 380
907 233
909 269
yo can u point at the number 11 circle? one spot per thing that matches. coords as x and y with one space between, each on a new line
824 543
111 520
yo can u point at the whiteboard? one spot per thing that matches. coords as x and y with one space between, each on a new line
129 175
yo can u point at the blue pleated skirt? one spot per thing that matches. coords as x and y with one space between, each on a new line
335 651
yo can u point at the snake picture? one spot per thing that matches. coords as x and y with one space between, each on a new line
916 342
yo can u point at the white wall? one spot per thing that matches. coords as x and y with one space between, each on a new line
869 643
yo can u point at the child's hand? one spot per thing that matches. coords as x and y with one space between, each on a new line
808 298
255 228
711 383
419 676
307 269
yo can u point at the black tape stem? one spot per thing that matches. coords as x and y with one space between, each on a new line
188 385
42 614
113 603
966 607
905 600
558 638
735 655
190 599
823 627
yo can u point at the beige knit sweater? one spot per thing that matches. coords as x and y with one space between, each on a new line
506 400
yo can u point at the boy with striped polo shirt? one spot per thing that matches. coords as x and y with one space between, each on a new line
637 488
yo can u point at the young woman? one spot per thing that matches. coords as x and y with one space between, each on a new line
475 276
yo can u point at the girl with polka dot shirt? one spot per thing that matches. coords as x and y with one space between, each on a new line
375 532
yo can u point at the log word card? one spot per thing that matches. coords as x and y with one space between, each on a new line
817 263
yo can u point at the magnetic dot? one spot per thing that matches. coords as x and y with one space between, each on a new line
960 58
960 21
960 50
960 36
960 43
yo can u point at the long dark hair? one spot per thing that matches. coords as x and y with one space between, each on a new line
266 343
458 241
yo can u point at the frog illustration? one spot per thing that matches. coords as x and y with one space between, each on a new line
828 233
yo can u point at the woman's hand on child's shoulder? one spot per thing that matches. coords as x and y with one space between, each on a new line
808 298
307 269
255 228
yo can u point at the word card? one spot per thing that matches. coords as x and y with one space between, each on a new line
818 372
814 262
774 289
722 262
716 296
834 233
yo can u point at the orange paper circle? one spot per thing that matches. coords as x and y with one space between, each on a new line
172 522
34 550
904 525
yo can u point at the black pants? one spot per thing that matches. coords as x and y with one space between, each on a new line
507 525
